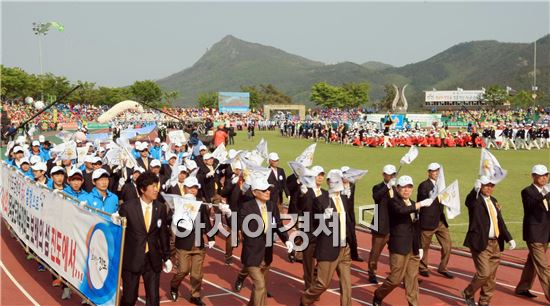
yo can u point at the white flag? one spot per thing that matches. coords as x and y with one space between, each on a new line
252 171
439 185
261 148
353 175
304 174
490 167
450 197
306 158
220 153
185 210
410 156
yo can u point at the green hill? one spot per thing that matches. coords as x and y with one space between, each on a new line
232 62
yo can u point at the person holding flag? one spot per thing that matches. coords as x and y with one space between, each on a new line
433 221
536 232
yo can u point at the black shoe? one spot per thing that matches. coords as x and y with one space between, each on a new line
424 273
373 279
292 257
479 304
238 284
376 301
197 301
358 259
446 274
526 293
469 300
173 294
228 260
269 295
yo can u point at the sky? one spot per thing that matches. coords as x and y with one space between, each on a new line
117 43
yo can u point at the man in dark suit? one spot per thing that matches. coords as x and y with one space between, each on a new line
189 244
294 192
206 177
277 178
144 160
166 169
404 243
129 190
179 187
332 250
536 232
350 187
304 201
382 193
433 222
257 250
486 235
146 246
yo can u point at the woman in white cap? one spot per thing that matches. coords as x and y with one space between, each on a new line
39 173
404 243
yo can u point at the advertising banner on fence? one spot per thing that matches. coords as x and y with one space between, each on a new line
233 102
424 120
81 246
398 120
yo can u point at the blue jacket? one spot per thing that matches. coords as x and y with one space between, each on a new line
80 195
96 200
155 152
44 155
135 153
28 173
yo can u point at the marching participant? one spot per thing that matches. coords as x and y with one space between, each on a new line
39 172
129 189
404 243
206 177
75 180
486 235
536 232
350 188
57 175
100 197
143 160
433 222
277 178
190 251
332 258
382 193
257 255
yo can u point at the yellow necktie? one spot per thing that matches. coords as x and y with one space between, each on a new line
146 163
545 202
147 218
341 215
317 192
391 193
493 216
264 216
181 189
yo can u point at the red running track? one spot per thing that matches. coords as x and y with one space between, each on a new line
23 285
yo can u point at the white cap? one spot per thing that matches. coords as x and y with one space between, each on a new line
190 164
101 149
36 143
155 163
56 169
335 183
96 159
273 156
232 153
74 171
170 155
344 169
316 170
237 165
434 166
157 140
203 147
41 138
191 181
137 143
404 181
260 184
17 149
181 168
40 166
389 169
207 156
99 173
35 159
539 170
138 169
25 160
89 159
485 180
178 144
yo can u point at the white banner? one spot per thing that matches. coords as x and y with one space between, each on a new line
79 245
454 95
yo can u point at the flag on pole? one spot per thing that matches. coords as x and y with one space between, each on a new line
490 167
450 197
439 185
220 153
304 174
353 175
261 148
185 210
306 158
410 156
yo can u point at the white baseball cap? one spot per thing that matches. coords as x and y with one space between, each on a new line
191 165
316 170
36 143
74 171
25 160
89 159
344 169
155 163
191 181
182 168
101 149
57 169
17 149
539 170
35 159
434 166
138 169
157 140
389 169
404 181
170 155
41 138
40 166
237 165
485 180
178 144
207 156
96 159
203 147
99 173
273 156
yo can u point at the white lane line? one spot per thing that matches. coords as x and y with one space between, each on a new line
216 295
356 286
228 291
18 285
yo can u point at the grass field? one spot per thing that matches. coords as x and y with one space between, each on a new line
458 163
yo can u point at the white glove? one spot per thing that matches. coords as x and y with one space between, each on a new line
289 246
425 203
235 179
391 183
167 266
477 185
512 244
420 253
115 218
121 182
224 208
211 244
303 189
328 213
